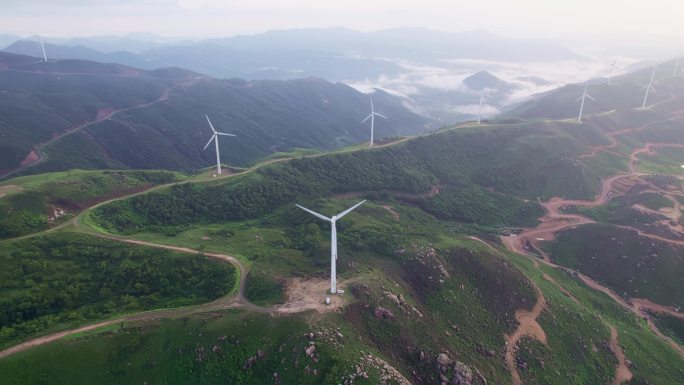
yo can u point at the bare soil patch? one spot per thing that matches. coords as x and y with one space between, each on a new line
302 294
10 188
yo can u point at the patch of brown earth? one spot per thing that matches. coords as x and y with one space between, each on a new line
395 215
527 326
104 113
30 158
622 372
302 294
10 188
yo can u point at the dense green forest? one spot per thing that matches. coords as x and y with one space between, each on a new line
37 202
469 175
52 281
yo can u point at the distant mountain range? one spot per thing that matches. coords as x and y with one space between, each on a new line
416 63
334 53
83 114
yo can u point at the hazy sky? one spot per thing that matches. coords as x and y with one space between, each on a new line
209 18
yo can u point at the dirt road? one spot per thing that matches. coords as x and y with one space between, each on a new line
527 326
554 222
36 156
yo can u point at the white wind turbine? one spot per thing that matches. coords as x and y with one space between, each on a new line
648 88
214 137
584 96
479 109
676 69
333 240
612 70
371 116
42 45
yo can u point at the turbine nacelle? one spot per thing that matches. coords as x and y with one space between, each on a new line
214 138
372 116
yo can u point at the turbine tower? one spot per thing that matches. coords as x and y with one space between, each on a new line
479 109
612 70
42 45
649 87
584 96
214 137
676 70
372 118
333 240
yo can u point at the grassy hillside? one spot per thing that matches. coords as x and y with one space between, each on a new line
228 347
33 203
624 93
159 116
63 279
433 302
633 266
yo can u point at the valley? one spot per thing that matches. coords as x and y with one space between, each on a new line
470 262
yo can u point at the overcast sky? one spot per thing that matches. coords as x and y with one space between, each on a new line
213 18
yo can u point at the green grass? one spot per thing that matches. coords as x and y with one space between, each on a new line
261 289
666 161
59 280
653 360
631 265
671 326
211 349
33 205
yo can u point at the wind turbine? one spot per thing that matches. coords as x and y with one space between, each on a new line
215 139
333 240
479 109
584 96
676 70
42 45
649 87
371 116
612 70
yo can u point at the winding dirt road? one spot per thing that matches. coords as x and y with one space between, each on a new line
527 326
301 303
36 156
555 221
622 372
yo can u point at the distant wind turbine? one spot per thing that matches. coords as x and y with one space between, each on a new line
584 96
42 45
479 109
612 70
676 70
372 116
333 240
649 87
214 137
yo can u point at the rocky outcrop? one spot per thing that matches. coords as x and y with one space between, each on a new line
382 313
460 373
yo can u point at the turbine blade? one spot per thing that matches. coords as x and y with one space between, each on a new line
382 116
347 211
209 142
589 96
372 109
367 117
578 99
210 125
221 133
314 213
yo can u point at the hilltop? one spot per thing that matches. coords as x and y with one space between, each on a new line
80 114
468 264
